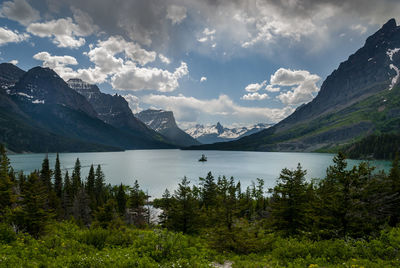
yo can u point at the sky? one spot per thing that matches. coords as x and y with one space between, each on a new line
239 62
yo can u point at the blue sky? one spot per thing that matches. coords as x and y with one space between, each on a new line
237 62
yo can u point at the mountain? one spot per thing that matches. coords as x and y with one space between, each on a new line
359 98
164 123
114 110
218 133
48 115
9 75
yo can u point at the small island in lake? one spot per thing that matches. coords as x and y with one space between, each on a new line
203 158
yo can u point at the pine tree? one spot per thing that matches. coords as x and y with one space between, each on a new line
58 178
90 187
34 210
76 177
45 173
7 196
183 215
208 190
137 210
99 186
67 196
121 200
289 204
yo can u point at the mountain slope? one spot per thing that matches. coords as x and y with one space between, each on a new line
357 99
9 75
164 123
50 116
219 133
114 110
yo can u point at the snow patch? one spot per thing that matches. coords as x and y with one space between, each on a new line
391 52
370 59
38 101
25 95
396 78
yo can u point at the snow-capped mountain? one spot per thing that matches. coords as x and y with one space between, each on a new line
218 133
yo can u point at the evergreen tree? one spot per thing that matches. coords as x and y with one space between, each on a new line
34 210
137 200
99 186
76 177
7 196
208 190
106 215
67 196
183 215
121 200
289 204
58 178
90 186
45 173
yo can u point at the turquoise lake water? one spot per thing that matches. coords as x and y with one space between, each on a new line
157 170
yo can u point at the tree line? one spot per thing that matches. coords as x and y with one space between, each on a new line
354 202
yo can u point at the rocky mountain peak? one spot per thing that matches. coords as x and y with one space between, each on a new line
219 128
42 85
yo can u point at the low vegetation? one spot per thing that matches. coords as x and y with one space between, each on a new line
350 218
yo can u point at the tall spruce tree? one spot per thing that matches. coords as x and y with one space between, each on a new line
76 177
289 204
121 199
99 187
45 173
58 183
34 207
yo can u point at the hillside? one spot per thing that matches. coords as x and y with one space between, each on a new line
41 113
358 99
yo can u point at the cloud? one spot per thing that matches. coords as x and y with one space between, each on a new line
64 32
304 81
132 77
255 87
133 102
255 96
176 13
19 10
15 62
164 59
271 88
189 109
208 35
58 63
203 79
9 36
359 28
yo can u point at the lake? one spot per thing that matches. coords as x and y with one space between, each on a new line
157 170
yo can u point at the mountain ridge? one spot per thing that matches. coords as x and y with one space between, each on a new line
371 70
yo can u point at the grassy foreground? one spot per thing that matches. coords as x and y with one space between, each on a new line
68 245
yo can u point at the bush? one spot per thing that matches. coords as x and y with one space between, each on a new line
7 234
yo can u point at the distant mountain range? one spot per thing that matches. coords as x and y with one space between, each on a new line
164 123
40 112
360 98
218 133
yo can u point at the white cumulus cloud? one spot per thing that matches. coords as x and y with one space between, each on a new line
132 77
304 85
15 62
255 96
203 79
133 102
9 36
164 59
255 87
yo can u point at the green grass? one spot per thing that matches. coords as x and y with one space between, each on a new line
68 245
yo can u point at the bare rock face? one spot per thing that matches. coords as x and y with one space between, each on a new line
164 123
